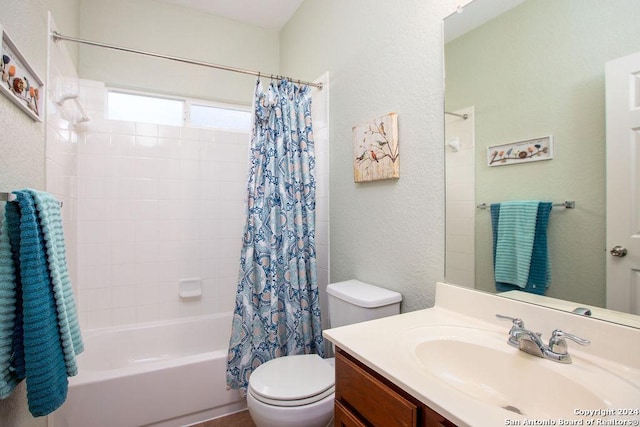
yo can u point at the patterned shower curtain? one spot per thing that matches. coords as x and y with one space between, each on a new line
277 310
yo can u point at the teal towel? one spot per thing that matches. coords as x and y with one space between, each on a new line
516 233
45 335
8 309
539 273
48 208
540 269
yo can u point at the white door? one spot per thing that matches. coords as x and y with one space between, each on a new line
623 183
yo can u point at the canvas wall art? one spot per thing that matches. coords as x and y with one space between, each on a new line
375 149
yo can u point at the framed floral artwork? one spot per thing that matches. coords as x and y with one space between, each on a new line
530 150
375 149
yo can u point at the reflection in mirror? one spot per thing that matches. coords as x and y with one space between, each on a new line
535 70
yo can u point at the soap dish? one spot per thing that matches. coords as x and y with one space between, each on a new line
190 288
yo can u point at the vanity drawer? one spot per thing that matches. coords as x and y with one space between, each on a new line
431 418
344 418
362 393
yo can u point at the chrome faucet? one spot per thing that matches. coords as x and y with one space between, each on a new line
531 342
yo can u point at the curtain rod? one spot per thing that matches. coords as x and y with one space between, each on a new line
462 116
57 36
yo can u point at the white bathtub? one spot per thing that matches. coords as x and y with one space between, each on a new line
160 374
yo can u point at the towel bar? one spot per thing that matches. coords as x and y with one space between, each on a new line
567 204
7 197
10 197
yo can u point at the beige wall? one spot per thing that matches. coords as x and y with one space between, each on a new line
382 57
539 70
165 28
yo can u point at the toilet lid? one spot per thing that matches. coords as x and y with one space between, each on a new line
286 381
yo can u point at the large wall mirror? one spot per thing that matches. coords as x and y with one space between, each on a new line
534 70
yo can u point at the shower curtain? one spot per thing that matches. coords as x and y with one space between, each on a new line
277 308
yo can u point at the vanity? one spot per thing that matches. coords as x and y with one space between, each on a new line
364 397
451 365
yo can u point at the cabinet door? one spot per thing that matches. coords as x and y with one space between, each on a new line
344 418
370 398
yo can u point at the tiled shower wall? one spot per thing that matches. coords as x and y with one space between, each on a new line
460 199
156 204
320 115
147 205
61 148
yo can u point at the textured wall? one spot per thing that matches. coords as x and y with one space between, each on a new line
22 139
539 70
382 58
165 28
22 150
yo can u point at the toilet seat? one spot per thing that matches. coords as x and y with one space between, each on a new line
295 380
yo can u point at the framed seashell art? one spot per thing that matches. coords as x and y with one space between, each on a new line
530 150
375 149
19 82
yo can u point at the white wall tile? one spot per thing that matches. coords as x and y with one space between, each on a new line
190 149
189 133
123 144
146 129
169 148
189 169
122 127
169 131
157 204
123 316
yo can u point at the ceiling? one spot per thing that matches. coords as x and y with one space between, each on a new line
271 14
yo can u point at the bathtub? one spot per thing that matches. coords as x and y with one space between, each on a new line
160 374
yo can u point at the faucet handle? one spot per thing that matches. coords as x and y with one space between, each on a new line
516 321
558 344
515 333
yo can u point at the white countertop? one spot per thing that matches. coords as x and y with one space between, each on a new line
378 344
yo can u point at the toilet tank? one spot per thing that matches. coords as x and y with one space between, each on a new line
353 301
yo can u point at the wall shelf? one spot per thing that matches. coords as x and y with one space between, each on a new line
30 100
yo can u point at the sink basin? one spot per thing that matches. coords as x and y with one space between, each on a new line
481 365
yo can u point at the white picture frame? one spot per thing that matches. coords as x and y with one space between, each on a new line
526 151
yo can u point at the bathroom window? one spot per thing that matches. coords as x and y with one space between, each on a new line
162 110
145 108
220 117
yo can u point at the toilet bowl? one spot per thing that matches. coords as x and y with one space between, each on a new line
298 390
292 391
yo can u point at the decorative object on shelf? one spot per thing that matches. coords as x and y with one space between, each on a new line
375 149
20 83
530 150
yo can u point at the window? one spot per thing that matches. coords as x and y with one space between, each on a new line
145 108
220 117
148 108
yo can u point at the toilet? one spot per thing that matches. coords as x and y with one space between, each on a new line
297 390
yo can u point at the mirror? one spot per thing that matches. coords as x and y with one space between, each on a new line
533 70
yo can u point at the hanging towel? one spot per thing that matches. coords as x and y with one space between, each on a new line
45 333
48 208
520 245
8 307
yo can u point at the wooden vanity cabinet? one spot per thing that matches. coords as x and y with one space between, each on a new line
364 398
